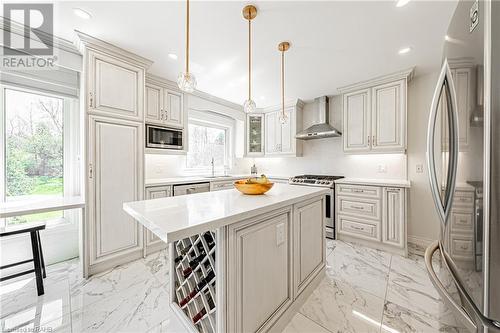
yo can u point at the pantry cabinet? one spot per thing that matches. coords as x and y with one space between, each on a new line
164 106
374 115
153 243
372 215
114 87
115 153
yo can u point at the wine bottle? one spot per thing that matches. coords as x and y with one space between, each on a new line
209 239
199 315
193 263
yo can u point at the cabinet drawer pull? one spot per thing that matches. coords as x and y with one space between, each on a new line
358 207
358 191
357 228
464 247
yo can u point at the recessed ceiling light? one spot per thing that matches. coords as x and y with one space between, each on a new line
404 50
82 13
447 38
172 56
402 3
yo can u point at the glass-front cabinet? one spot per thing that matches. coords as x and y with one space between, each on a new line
255 135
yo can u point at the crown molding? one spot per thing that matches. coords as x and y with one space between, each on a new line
158 80
404 74
466 62
56 42
86 41
295 103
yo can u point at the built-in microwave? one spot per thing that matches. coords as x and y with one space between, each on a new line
163 137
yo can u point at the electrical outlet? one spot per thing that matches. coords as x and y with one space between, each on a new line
280 234
419 168
382 168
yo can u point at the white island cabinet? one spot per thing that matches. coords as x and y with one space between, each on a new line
239 263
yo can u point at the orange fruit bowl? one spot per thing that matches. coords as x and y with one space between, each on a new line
252 189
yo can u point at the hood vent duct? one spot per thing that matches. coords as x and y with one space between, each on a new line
321 129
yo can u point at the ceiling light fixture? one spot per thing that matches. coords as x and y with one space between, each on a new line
249 13
401 3
283 47
172 56
82 13
186 81
404 50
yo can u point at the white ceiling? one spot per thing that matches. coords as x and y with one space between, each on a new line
333 43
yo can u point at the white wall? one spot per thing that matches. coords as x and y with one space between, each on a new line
423 223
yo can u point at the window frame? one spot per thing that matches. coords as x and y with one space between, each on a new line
71 151
228 145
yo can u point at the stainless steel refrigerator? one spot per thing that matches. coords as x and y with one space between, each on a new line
463 159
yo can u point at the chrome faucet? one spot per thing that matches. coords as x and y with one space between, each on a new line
213 167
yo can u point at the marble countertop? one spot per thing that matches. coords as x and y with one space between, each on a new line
197 179
375 182
175 218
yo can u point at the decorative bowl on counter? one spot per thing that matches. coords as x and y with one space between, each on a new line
252 188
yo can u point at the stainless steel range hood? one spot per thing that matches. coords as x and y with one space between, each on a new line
321 129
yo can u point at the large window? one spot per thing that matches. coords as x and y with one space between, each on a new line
206 142
34 149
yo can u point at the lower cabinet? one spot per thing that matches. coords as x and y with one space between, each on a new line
373 215
309 243
115 154
393 215
260 252
462 232
271 260
153 243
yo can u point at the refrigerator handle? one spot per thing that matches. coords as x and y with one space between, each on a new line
445 79
491 324
448 300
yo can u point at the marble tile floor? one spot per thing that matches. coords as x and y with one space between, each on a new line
364 291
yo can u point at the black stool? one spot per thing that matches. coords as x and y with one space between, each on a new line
36 248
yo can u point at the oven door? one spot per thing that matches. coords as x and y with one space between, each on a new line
330 215
163 137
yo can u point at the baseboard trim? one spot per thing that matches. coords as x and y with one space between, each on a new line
417 245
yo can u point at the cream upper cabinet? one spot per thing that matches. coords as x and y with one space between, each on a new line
357 121
173 106
462 78
164 105
115 153
280 138
374 114
273 133
255 135
389 116
154 104
116 87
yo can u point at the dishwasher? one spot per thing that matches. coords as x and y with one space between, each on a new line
191 188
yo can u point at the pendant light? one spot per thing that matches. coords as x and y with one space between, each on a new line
186 80
249 13
283 47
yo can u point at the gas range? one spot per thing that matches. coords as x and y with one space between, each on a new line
314 180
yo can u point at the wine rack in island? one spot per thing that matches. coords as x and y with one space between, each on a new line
195 280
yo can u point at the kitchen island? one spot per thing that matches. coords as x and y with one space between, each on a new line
239 263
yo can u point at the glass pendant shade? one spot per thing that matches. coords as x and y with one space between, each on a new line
186 82
249 106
